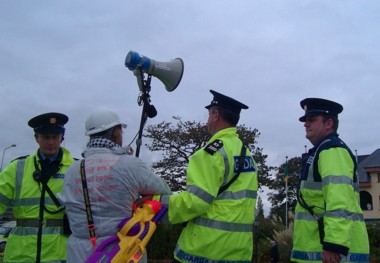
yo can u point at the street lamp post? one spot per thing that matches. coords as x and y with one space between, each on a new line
2 158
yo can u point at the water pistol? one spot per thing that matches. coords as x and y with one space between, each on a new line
128 245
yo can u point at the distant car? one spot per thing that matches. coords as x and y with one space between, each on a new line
5 229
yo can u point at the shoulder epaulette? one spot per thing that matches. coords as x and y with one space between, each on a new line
213 147
19 158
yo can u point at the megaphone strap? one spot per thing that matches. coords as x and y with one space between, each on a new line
91 226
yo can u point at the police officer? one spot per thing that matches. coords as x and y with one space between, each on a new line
30 183
329 225
219 203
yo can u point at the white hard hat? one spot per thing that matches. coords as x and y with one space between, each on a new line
102 120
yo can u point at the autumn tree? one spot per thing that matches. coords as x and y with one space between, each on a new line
179 140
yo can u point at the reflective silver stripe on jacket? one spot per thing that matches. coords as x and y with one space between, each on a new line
226 165
311 185
26 201
200 193
183 256
336 213
307 216
345 214
317 256
32 231
19 175
30 222
216 224
227 195
32 201
334 179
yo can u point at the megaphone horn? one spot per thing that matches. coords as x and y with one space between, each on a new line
170 73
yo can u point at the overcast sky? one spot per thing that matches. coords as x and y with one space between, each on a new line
68 56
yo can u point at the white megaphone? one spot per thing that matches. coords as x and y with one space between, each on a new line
170 73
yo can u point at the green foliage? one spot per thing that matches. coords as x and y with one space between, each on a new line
278 196
268 230
264 230
374 240
271 229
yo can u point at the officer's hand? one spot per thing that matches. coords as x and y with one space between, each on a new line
139 202
330 257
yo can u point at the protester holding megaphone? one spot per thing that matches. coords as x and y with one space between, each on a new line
99 190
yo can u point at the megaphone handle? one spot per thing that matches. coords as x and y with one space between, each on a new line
140 78
144 115
144 99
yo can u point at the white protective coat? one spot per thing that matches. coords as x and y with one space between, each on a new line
114 181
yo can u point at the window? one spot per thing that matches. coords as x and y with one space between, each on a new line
366 200
378 177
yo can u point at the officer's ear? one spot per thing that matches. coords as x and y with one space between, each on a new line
214 113
329 122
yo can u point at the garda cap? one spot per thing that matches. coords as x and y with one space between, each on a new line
316 106
49 123
226 102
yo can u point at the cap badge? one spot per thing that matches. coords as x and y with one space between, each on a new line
53 120
305 107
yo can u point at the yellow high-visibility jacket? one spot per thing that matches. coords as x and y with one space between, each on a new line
18 188
219 227
329 186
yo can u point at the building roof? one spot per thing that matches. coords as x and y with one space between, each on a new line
368 161
372 160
